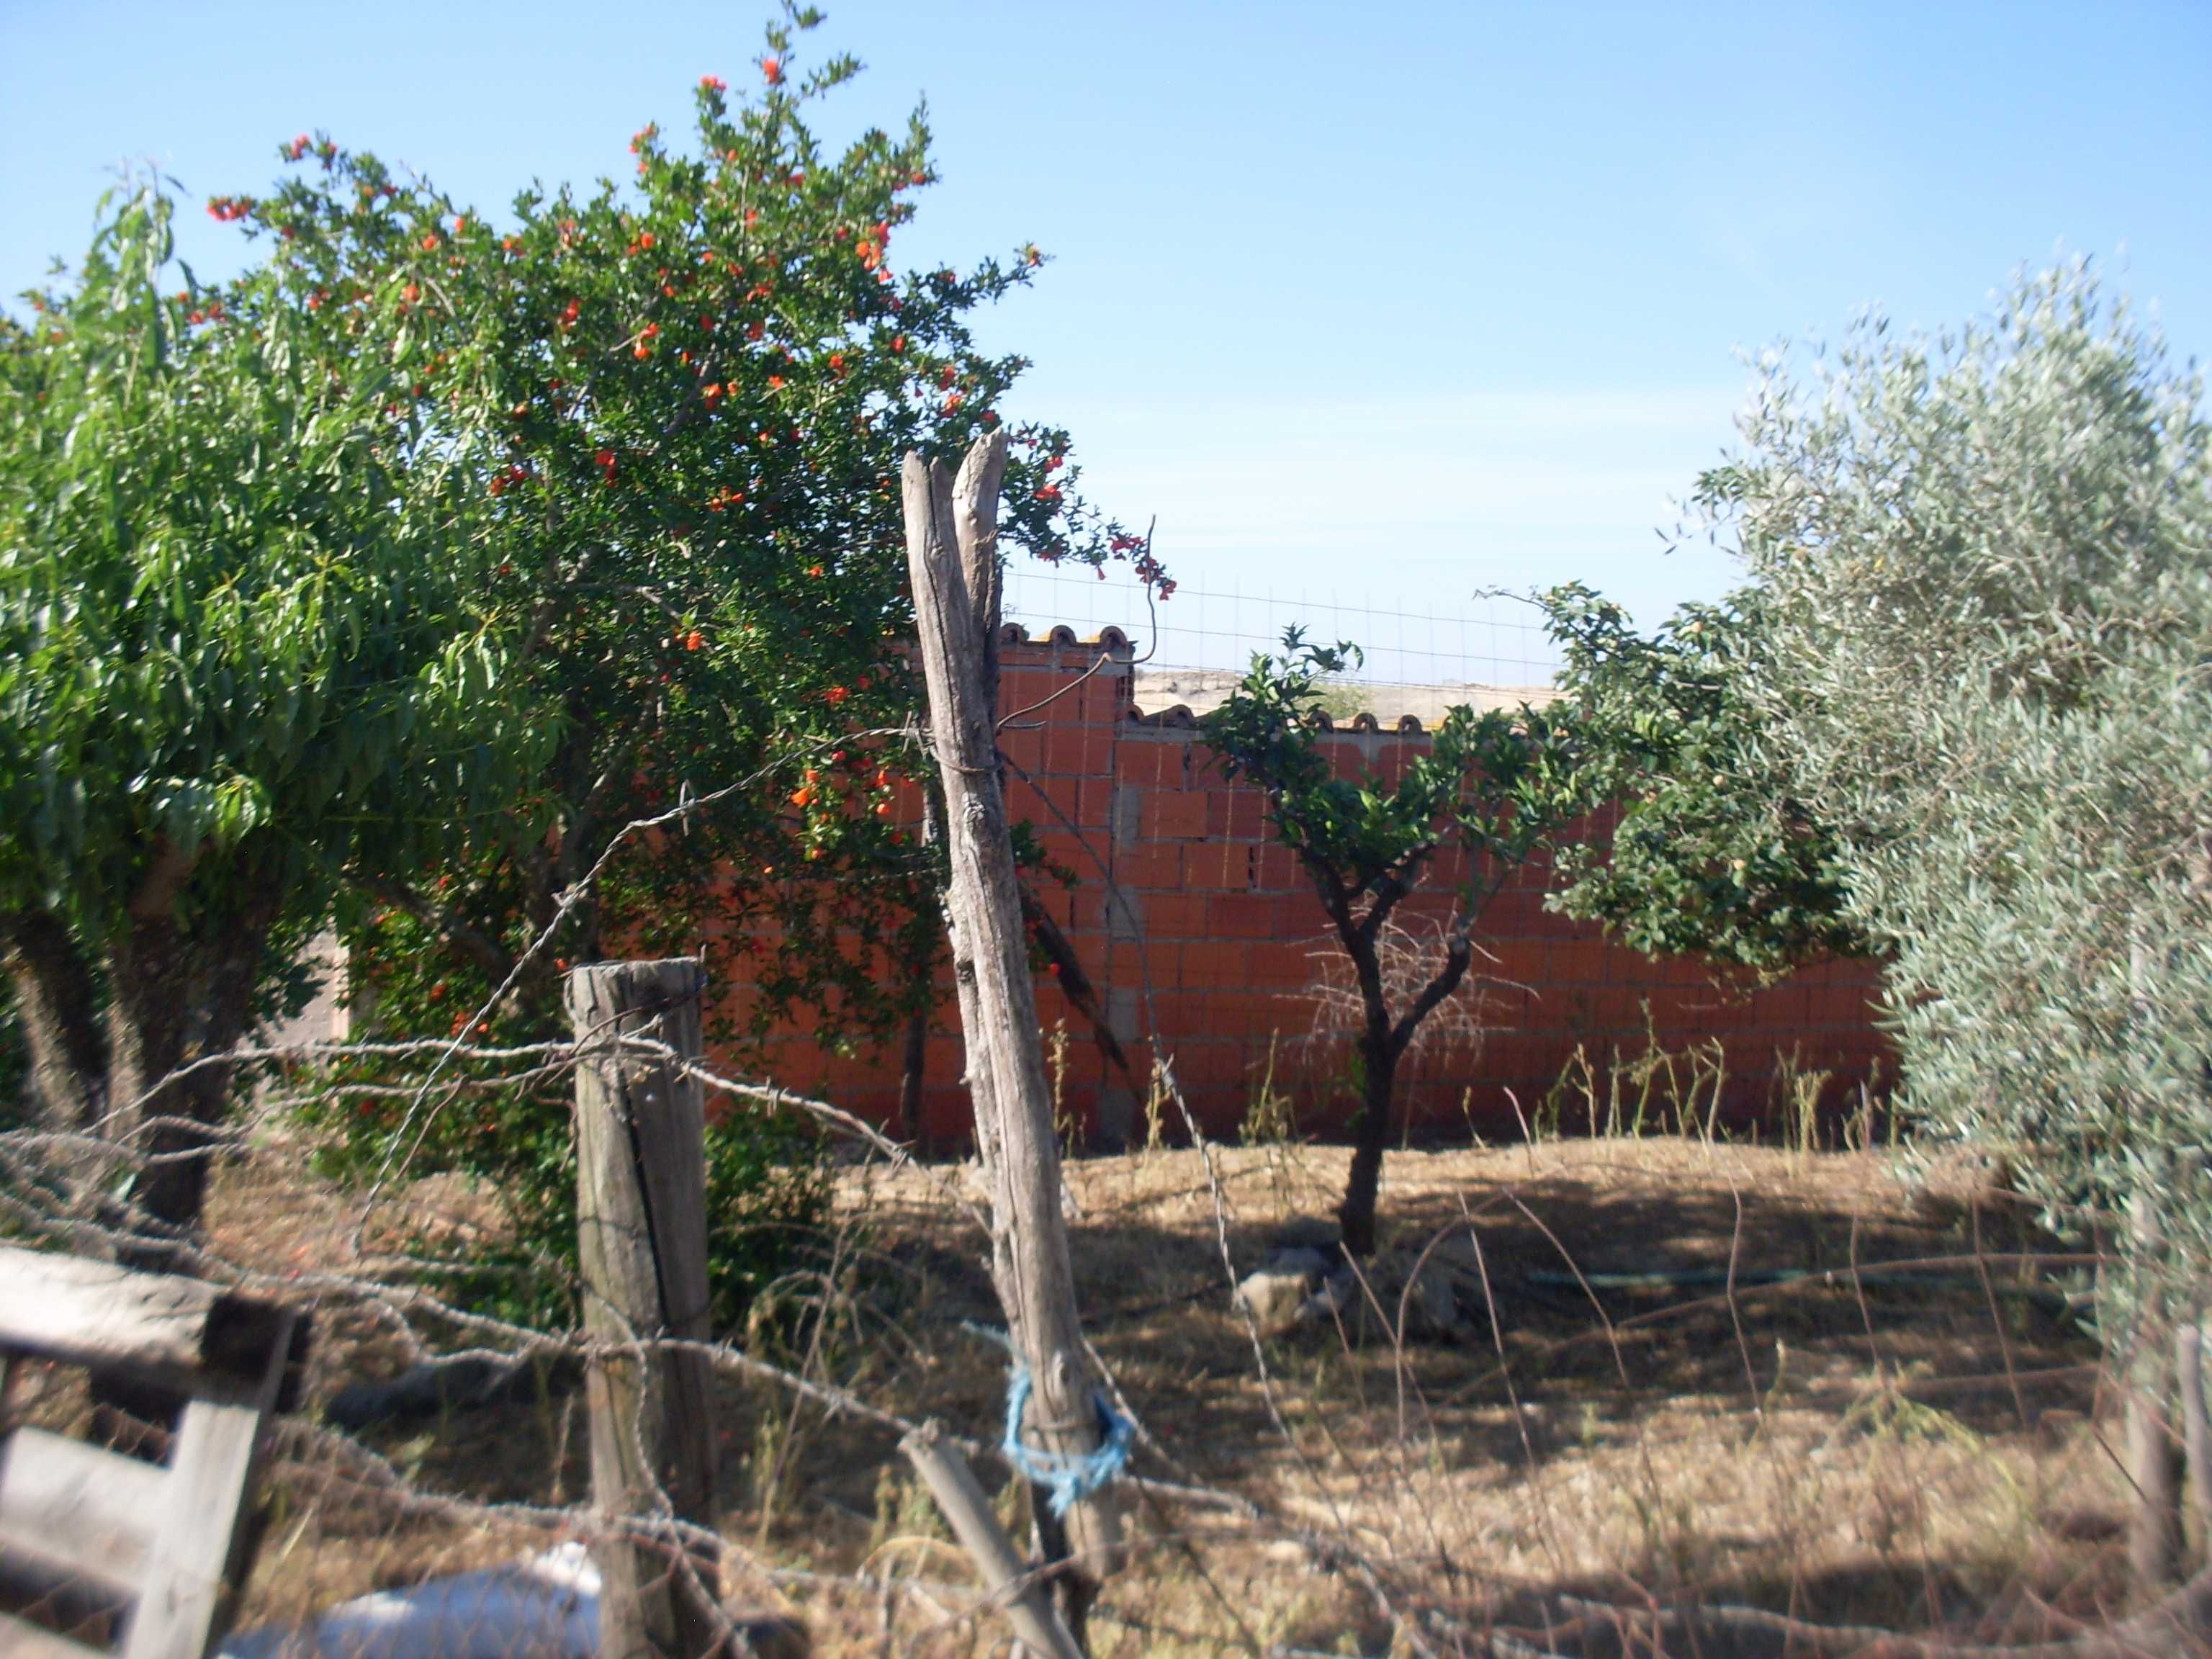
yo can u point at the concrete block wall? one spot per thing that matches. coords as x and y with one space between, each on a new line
1204 942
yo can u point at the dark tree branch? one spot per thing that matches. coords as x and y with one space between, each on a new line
471 942
1074 983
541 615
1459 955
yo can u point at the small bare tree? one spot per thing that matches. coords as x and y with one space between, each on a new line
1496 786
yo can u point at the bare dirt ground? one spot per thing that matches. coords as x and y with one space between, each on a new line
1918 1450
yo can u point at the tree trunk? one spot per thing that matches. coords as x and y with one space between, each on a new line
148 1014
163 1016
2153 1462
1378 1060
2195 1424
2154 1467
59 999
913 1074
174 1001
953 558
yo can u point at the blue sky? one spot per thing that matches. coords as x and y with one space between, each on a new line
1390 303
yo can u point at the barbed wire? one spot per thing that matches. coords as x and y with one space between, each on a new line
347 1477
1373 1495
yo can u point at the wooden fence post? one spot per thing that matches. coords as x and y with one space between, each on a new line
953 558
641 1219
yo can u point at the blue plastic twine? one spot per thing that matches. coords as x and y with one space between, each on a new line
1068 1481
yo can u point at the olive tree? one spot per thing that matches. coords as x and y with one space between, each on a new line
1985 571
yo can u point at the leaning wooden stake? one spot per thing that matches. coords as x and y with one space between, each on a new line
953 558
641 1219
1007 1577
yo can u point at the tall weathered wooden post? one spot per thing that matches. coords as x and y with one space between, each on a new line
953 558
641 1217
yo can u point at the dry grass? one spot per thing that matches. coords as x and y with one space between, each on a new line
1915 1453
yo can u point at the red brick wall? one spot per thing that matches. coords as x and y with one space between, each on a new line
1213 949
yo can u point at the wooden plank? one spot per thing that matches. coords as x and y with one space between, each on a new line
21 1639
94 1313
641 1210
86 1511
952 561
198 1553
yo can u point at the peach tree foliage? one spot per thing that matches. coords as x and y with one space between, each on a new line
1984 564
1495 787
689 394
244 644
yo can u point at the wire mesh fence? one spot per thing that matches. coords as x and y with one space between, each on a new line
1426 640
1649 1392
